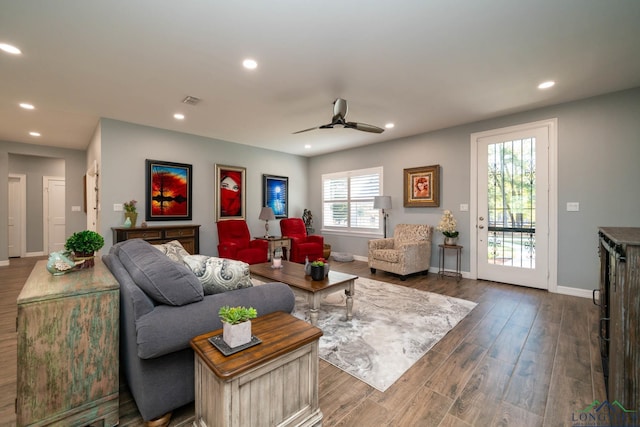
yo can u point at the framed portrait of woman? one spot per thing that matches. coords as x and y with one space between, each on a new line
422 186
230 192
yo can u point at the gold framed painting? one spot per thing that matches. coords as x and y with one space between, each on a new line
230 192
422 187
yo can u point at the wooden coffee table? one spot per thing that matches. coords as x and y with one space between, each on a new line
293 275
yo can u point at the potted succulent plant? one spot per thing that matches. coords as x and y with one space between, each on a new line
236 324
84 244
317 269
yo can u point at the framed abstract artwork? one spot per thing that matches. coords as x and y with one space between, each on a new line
230 192
275 194
422 186
168 191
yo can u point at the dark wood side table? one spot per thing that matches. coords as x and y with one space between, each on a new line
441 271
275 243
272 383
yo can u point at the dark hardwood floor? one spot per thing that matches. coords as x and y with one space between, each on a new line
522 357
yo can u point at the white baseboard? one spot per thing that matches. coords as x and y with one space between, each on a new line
4 263
576 292
32 254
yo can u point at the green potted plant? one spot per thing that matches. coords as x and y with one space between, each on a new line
84 244
448 226
317 269
236 324
130 212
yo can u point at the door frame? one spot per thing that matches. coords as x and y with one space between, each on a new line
22 178
552 232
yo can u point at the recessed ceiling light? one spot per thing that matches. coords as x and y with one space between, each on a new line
10 49
249 64
178 116
34 133
307 146
26 106
546 85
389 125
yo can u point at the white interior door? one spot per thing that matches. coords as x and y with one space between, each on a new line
512 215
17 215
54 213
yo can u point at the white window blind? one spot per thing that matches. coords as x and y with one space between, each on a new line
347 199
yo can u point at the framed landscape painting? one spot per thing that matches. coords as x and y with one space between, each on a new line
275 194
168 191
422 186
230 192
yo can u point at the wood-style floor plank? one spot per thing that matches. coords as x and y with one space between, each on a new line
522 357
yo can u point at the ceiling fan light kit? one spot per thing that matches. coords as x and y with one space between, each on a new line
339 113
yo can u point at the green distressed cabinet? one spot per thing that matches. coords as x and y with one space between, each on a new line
68 330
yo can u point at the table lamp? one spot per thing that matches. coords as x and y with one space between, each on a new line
266 214
383 202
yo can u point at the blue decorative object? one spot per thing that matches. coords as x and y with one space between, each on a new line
127 223
59 263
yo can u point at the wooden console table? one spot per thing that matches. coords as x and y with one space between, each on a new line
187 235
68 348
272 383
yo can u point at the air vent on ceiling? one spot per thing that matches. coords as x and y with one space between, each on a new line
191 100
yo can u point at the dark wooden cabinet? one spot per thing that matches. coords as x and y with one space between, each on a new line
187 235
619 303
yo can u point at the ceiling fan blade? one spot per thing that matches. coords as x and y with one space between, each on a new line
364 127
305 130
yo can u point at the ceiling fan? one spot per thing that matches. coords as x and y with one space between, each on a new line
339 113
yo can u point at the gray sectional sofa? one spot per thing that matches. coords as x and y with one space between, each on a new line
163 306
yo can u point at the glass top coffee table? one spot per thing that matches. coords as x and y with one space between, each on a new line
293 275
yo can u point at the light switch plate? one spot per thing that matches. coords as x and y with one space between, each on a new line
464 207
573 206
75 208
117 207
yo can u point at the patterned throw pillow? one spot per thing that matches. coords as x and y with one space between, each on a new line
219 275
174 250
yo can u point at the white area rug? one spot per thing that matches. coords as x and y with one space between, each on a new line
392 327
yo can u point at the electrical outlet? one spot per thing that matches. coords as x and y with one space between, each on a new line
573 206
117 207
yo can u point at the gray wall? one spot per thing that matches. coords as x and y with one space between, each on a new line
74 169
598 159
35 167
125 146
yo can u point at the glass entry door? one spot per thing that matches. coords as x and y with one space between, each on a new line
513 207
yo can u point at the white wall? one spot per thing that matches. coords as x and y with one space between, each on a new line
125 146
598 166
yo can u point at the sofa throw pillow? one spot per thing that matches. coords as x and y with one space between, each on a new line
165 281
174 250
219 275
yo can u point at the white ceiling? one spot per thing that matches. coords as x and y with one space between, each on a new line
422 64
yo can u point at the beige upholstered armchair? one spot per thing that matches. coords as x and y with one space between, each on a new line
408 251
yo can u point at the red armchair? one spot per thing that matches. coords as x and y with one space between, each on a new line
235 242
301 244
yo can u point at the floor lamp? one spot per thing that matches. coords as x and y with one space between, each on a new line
383 202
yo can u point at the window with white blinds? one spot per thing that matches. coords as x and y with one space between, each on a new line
347 200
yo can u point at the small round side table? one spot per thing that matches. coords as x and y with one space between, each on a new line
441 271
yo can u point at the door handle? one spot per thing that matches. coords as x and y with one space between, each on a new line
481 227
